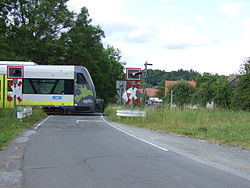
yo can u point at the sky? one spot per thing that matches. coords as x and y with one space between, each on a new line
204 35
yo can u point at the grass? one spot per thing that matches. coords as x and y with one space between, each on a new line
217 126
11 127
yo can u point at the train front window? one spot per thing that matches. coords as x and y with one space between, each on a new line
48 86
81 79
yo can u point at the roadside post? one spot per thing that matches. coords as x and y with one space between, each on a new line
120 88
146 64
171 101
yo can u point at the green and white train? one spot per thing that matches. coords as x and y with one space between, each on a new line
56 88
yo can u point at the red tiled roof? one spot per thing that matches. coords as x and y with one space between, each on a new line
231 78
169 83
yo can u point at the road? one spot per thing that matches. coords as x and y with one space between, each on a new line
88 152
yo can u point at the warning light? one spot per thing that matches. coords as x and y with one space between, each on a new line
15 72
133 74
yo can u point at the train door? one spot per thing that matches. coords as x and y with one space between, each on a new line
1 90
5 92
8 92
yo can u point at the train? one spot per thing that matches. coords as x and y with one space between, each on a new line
56 88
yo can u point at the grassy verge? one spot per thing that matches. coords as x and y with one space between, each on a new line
218 126
11 127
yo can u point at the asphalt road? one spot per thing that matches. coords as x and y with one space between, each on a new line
88 152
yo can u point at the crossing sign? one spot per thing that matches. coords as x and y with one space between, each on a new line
16 90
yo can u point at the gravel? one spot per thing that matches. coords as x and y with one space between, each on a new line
11 161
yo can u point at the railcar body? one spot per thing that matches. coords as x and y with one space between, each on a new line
57 88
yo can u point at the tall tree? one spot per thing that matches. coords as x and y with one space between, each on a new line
33 27
245 67
156 76
46 32
241 99
83 46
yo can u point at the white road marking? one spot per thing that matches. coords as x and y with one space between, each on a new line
38 125
92 121
145 141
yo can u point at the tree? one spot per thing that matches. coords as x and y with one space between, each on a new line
154 77
182 93
203 94
161 90
83 47
46 32
223 93
204 89
32 28
241 98
245 67
112 73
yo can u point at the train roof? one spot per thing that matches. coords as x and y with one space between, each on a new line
49 71
26 63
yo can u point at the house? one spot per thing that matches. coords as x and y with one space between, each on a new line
150 92
169 83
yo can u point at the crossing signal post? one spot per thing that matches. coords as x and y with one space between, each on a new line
15 73
133 74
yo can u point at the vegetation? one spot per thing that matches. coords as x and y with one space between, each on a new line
222 125
218 126
213 88
11 127
241 97
46 32
155 77
182 93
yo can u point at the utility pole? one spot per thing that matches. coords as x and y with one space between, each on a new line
145 81
171 103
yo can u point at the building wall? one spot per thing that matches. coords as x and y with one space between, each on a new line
150 92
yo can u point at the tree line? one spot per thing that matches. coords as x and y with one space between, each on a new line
155 77
212 88
47 32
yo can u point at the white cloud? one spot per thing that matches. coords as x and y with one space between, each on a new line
246 37
244 43
168 44
166 1
205 59
231 9
97 8
200 18
176 34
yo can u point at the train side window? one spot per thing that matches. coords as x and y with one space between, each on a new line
81 79
48 86
64 87
68 86
27 87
